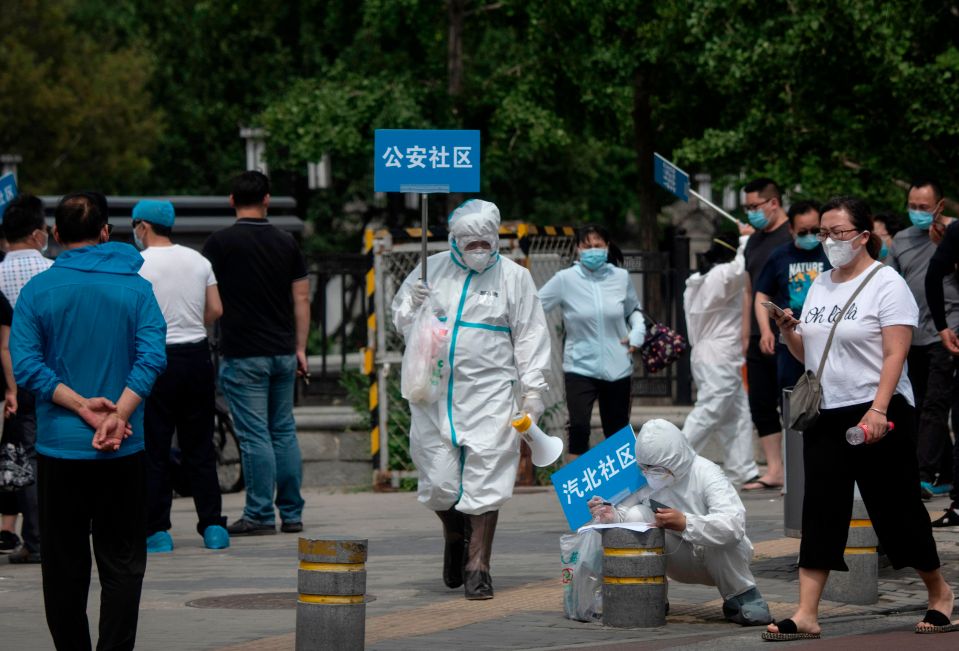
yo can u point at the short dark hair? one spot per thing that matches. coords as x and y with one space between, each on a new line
893 221
861 217
22 216
80 216
801 208
159 229
717 253
926 181
249 188
766 187
613 253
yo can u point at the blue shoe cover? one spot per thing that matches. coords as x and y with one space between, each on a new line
216 537
160 542
747 609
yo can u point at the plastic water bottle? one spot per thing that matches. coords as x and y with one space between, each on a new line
857 435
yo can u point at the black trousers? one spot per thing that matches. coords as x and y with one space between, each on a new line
182 401
931 371
106 497
888 481
764 396
615 401
22 427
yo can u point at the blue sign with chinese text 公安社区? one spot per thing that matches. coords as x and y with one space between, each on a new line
426 161
670 177
609 471
8 190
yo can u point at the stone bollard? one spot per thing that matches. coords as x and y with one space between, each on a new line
634 578
860 585
331 609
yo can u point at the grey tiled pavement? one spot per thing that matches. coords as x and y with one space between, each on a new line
412 610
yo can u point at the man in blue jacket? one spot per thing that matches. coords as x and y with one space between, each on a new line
88 340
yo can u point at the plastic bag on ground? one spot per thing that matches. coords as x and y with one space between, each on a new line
582 558
424 359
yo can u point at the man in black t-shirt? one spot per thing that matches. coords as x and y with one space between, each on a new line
765 213
266 310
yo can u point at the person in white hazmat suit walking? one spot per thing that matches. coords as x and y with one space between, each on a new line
713 302
705 523
463 445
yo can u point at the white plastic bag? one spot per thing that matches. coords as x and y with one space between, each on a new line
424 360
582 558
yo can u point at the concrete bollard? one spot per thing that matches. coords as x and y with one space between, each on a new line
860 585
331 609
634 578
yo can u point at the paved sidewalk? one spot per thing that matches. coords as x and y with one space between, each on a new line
243 598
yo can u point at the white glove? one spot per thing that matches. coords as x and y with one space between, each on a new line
637 332
418 294
533 405
602 513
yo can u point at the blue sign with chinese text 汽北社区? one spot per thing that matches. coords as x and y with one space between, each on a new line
670 177
8 190
426 160
609 471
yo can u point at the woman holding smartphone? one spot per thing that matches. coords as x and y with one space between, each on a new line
863 384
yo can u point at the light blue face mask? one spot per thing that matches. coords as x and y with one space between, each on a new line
593 259
883 252
921 219
757 218
807 242
137 241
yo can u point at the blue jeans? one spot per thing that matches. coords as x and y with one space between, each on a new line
260 393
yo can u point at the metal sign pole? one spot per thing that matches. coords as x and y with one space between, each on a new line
424 225
715 207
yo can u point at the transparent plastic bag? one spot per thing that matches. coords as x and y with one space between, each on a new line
582 558
424 359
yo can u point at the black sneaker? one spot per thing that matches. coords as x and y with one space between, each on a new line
949 519
9 541
244 527
23 555
291 527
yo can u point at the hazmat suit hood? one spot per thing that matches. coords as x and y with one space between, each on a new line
474 220
660 443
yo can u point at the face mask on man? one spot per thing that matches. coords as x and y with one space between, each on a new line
884 251
757 219
807 242
659 478
839 252
137 241
593 259
921 219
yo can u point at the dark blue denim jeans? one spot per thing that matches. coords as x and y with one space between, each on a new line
260 393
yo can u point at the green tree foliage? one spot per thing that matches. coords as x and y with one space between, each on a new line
77 113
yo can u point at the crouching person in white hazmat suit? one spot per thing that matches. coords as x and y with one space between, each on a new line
713 302
705 523
463 445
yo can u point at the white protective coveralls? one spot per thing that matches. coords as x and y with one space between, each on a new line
714 549
714 317
464 447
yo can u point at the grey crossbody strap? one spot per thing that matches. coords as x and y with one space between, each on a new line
822 361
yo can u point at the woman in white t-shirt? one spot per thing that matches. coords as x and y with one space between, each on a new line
863 383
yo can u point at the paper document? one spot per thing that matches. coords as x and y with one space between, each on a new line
639 527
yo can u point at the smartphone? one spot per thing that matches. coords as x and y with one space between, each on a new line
657 505
774 309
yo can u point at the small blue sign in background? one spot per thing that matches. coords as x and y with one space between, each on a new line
8 190
426 161
670 177
609 471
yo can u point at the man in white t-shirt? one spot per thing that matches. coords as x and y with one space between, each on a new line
183 396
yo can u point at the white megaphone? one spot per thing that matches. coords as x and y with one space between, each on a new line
546 449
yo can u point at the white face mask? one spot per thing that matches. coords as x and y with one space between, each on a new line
658 480
839 252
477 259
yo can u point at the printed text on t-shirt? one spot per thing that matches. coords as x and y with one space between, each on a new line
818 314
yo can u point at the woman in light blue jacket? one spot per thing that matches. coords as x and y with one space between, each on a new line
604 327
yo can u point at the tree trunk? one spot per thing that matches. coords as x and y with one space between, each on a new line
643 134
456 10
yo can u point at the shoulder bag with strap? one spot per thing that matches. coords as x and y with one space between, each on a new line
806 396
